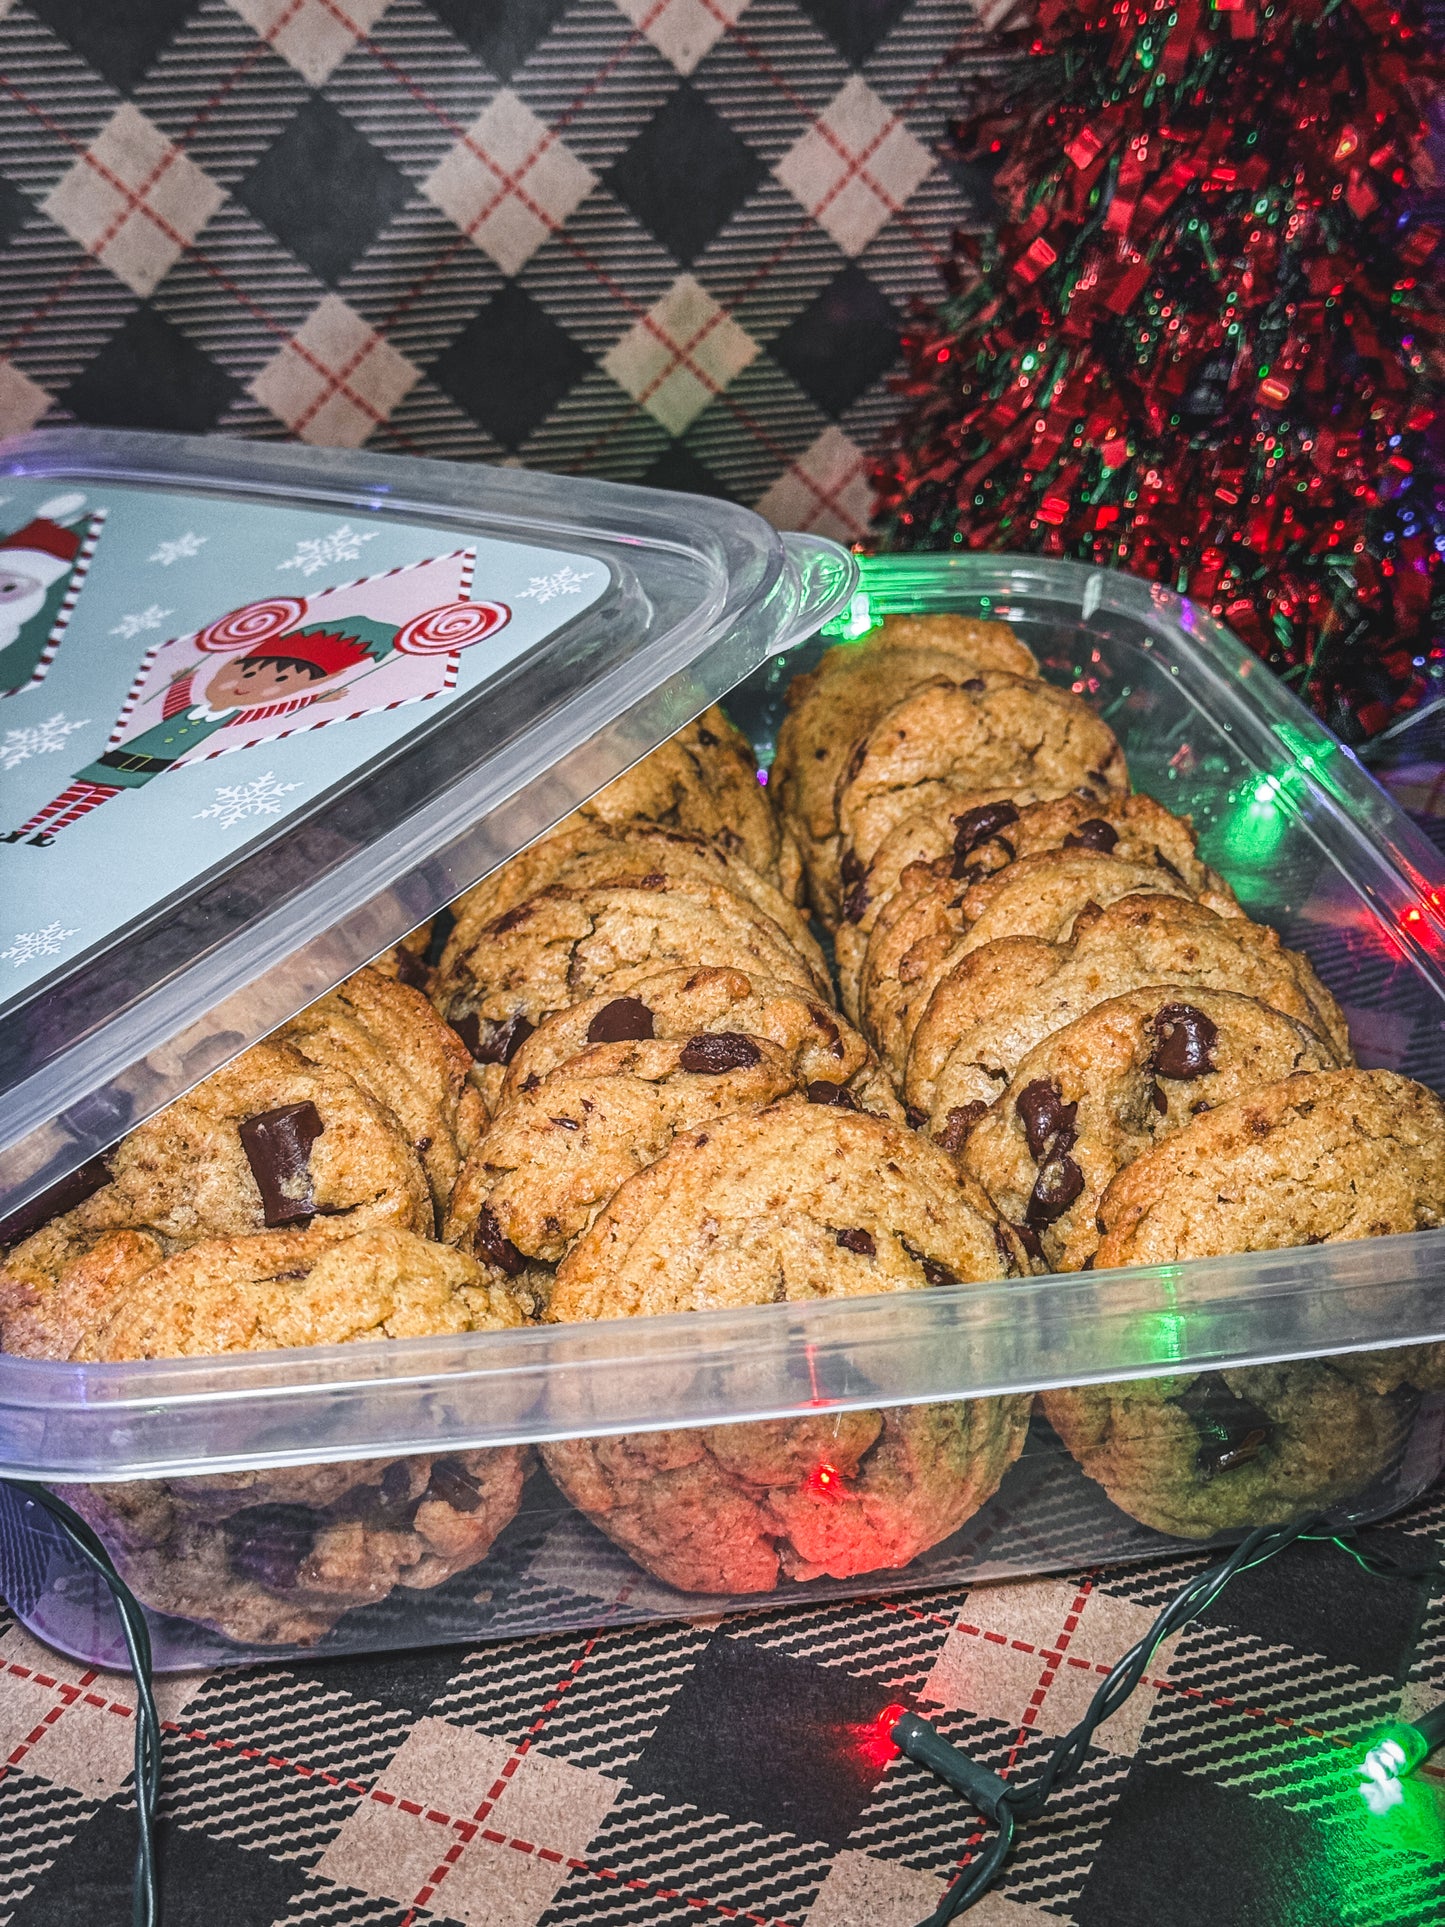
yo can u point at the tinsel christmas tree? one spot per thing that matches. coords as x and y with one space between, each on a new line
1205 342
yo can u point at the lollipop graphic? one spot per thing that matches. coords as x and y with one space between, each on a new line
451 626
251 625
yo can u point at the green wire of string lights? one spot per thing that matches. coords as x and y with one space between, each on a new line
1009 1803
145 1903
1394 1754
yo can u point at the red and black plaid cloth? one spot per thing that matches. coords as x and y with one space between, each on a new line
666 241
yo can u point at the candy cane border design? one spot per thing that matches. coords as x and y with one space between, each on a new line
449 676
67 608
127 708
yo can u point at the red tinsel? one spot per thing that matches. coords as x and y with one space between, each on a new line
1202 345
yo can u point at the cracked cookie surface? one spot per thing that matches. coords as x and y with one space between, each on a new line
355 1115
991 731
704 780
834 703
1002 999
565 945
969 836
1106 1089
933 923
583 853
1332 1155
563 1141
119 1295
799 1201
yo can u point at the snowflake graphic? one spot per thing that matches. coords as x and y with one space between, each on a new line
546 588
236 802
48 941
178 548
132 626
325 551
37 739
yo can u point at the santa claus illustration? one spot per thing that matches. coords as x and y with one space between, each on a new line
258 672
32 560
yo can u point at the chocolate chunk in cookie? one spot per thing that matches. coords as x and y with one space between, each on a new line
278 1149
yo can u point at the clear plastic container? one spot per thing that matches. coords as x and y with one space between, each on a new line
234 1490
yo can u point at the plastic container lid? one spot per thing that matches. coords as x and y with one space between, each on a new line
264 709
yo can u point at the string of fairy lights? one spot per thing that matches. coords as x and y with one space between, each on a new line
1008 1804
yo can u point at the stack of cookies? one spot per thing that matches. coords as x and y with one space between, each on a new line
1074 1007
681 1121
612 1081
293 1198
628 1092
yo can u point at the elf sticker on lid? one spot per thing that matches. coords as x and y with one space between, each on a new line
218 680
273 667
43 566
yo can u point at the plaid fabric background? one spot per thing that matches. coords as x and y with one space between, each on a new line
666 241
732 1770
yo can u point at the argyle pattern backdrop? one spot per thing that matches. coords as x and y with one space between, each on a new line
667 241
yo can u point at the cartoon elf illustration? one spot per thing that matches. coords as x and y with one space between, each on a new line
207 706
47 551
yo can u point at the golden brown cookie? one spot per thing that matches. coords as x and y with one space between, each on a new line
583 853
970 837
564 945
122 1297
794 1202
679 1002
1228 1451
1331 1155
932 923
1106 1089
278 1557
561 1144
384 1034
798 1201
733 1508
991 731
1001 1000
835 703
272 1140
704 780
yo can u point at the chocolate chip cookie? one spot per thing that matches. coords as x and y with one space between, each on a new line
971 837
1105 1089
119 1295
992 731
704 780
931 924
276 1558
1228 1451
1001 1000
680 1002
384 1034
797 1201
561 1144
835 703
1336 1154
564 945
270 1141
734 1508
582 853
